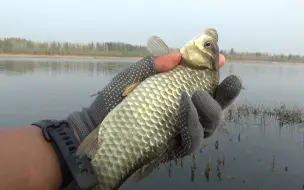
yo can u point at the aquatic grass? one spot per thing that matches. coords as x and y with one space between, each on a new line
239 114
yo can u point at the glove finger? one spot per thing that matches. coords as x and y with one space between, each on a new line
228 90
191 130
209 111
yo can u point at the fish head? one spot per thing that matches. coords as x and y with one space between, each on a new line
202 51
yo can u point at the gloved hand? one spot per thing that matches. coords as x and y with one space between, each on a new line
200 115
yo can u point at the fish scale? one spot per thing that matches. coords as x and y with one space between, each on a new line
128 138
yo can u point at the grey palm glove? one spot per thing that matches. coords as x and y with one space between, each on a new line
85 121
201 114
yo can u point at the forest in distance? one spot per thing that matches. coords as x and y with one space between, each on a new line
20 46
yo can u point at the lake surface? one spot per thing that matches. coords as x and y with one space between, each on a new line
258 146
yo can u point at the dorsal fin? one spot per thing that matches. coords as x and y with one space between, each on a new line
157 47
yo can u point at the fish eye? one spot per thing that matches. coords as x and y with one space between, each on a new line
208 45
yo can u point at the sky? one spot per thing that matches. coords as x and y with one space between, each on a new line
275 26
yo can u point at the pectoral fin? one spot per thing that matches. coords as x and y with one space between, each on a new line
148 168
130 88
89 145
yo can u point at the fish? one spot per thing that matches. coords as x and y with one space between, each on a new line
141 131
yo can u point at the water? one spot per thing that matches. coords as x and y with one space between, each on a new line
258 146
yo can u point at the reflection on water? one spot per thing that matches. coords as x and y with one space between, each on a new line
259 144
269 84
59 67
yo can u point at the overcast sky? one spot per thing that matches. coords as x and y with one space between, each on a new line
246 25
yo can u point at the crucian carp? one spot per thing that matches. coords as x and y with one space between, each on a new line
142 130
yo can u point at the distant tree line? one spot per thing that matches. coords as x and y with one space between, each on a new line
23 46
260 56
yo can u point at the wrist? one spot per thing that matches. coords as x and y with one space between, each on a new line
64 142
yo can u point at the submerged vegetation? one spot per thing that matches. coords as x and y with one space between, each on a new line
20 46
283 114
239 114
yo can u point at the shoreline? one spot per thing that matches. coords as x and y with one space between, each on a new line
118 57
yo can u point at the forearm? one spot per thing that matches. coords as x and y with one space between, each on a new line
27 160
